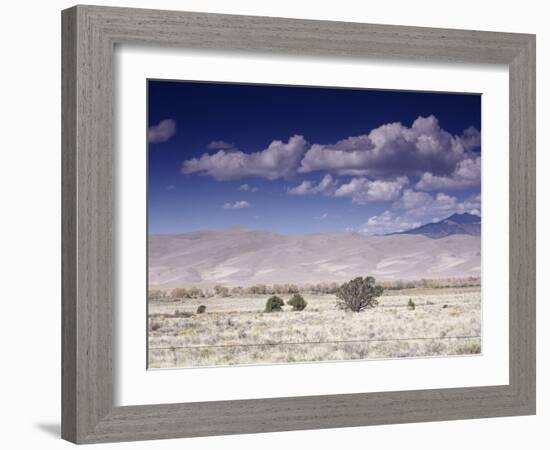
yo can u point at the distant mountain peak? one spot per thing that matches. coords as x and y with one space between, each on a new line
464 223
463 218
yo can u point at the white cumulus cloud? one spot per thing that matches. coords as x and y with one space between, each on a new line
278 160
413 209
466 174
412 199
326 186
440 205
394 148
384 223
237 205
247 188
362 190
161 132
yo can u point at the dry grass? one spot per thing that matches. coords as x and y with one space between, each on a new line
237 331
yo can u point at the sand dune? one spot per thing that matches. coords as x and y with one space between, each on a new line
236 256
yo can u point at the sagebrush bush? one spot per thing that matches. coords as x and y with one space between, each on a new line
297 302
274 303
201 309
154 326
359 294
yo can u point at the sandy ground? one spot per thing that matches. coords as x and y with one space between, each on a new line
238 331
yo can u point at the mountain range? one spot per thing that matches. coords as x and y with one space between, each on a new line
465 223
237 256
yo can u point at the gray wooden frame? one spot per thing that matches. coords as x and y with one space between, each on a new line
89 37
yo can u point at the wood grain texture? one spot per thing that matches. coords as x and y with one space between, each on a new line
522 283
88 210
68 225
89 36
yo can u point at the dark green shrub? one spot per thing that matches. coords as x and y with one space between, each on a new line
274 303
297 302
359 294
411 305
201 309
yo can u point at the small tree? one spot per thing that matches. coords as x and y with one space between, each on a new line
359 294
293 289
221 291
195 292
274 303
179 293
297 302
257 289
237 291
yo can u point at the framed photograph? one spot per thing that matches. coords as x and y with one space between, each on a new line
257 255
278 224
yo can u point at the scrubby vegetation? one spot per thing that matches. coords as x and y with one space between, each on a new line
156 295
262 289
297 302
237 330
182 293
218 290
432 283
359 294
417 318
274 304
221 291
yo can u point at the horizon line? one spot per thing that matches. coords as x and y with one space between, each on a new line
244 228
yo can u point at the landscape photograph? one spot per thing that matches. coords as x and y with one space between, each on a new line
298 224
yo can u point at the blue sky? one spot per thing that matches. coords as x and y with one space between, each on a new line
299 160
